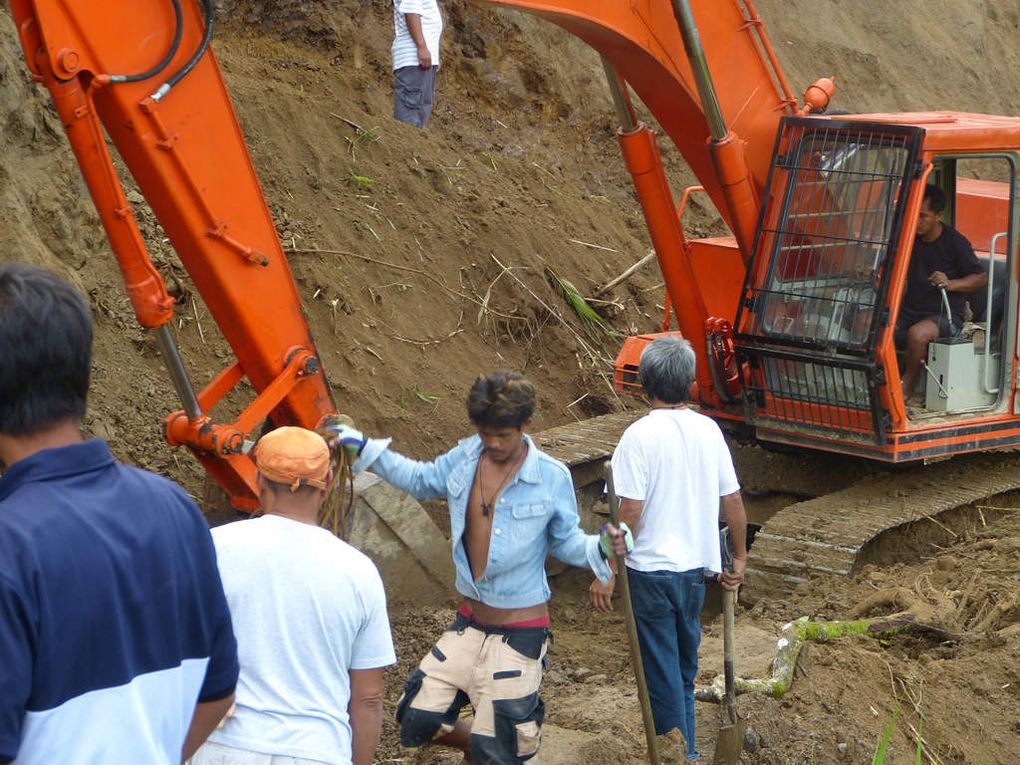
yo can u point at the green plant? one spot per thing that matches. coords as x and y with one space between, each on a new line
428 398
883 745
361 181
360 136
590 318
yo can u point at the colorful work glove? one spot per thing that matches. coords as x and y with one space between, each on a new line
606 540
342 431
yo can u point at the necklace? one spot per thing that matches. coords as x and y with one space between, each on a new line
487 506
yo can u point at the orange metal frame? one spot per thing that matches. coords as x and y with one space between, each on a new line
188 156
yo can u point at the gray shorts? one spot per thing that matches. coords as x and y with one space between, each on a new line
413 91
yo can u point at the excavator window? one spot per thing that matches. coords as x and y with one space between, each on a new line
829 241
832 236
815 294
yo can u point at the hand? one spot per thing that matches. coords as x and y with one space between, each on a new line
939 279
424 58
602 594
340 431
731 580
615 541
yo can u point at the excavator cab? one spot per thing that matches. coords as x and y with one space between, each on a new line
814 326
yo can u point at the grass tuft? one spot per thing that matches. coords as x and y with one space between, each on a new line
589 317
883 746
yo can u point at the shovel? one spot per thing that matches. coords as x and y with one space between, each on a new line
731 735
632 636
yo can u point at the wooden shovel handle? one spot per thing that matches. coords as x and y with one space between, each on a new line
632 636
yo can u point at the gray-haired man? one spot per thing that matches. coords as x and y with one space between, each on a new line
674 476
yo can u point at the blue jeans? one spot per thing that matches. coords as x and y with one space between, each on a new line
667 609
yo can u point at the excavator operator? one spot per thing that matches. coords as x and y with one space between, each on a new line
942 260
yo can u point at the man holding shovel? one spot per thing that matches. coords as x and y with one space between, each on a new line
674 476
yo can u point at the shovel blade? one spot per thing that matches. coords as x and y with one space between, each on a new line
729 744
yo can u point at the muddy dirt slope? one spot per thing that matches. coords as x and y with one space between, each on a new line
420 257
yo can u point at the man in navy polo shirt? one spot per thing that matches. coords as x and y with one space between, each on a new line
115 639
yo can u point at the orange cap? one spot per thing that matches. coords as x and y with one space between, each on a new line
293 456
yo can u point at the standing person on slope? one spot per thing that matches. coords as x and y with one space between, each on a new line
311 614
417 28
674 477
511 505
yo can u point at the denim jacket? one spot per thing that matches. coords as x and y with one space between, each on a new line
536 516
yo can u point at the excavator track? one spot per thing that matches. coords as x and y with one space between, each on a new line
834 534
585 445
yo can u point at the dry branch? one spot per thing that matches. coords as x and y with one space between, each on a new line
625 275
593 246
354 125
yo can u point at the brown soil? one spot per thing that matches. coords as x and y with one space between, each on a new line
518 163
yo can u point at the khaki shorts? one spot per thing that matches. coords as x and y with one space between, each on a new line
498 671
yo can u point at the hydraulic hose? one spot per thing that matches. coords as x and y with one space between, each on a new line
196 56
174 45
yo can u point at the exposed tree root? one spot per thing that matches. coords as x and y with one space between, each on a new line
795 634
998 613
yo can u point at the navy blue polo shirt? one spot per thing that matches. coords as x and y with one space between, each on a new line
113 622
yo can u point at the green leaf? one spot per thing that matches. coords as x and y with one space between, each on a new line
361 181
428 398
879 758
590 318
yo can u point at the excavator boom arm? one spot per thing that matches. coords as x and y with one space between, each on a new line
642 41
142 72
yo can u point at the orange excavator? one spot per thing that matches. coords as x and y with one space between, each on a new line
792 317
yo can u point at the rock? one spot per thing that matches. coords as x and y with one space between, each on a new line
581 673
842 748
672 748
751 742
946 563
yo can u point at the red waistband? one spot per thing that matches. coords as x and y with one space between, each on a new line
542 621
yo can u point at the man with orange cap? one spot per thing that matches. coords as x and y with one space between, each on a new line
310 614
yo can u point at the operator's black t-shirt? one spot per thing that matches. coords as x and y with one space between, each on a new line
951 254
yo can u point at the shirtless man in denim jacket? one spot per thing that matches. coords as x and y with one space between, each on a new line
510 506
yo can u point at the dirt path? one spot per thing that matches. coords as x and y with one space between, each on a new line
844 692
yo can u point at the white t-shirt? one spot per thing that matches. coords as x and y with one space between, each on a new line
307 608
404 50
676 462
